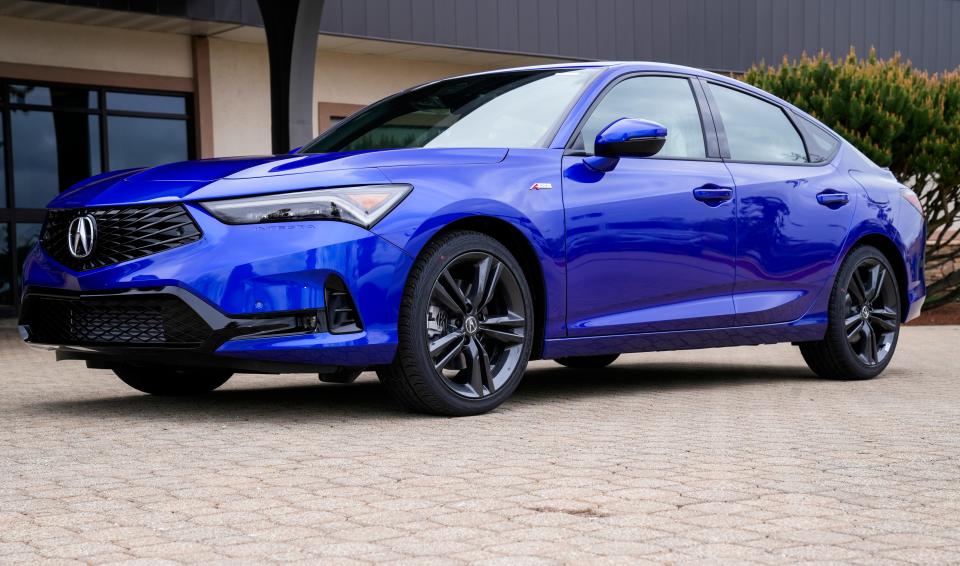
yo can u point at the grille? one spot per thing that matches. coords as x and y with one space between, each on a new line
123 234
162 320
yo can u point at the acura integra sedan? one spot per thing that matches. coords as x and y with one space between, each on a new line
448 234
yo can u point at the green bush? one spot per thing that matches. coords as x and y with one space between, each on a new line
902 118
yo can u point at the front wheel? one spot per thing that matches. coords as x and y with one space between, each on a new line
172 382
864 320
465 328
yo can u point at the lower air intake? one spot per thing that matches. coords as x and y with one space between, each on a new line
162 320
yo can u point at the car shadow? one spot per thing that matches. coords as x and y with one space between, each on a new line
367 398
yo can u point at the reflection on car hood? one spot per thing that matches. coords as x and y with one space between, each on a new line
236 176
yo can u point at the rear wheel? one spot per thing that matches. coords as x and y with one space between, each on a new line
465 328
173 382
588 362
864 320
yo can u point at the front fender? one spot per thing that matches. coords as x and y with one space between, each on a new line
503 191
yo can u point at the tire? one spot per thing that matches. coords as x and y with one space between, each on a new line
588 362
172 382
861 333
481 335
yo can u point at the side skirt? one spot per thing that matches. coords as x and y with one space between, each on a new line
806 329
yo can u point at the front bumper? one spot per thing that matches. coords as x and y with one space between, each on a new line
244 281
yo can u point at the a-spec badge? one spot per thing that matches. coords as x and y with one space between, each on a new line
541 186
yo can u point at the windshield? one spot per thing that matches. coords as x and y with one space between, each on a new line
514 109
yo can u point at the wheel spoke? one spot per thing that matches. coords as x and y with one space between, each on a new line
509 320
440 344
877 275
451 355
475 363
884 323
481 275
869 344
853 333
450 293
505 337
852 320
885 313
492 282
485 366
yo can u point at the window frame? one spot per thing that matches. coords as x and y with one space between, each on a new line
11 215
789 113
707 121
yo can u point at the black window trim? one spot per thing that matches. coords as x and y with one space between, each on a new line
788 113
710 140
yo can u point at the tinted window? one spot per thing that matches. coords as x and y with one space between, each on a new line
144 142
757 130
155 103
64 97
514 109
27 236
52 151
667 100
820 144
3 172
6 281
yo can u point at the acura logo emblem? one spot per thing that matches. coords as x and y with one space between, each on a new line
81 236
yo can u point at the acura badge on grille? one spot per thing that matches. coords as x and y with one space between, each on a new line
81 236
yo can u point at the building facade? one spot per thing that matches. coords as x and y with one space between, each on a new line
98 85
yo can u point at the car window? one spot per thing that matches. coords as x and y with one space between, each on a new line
757 130
667 100
820 144
513 109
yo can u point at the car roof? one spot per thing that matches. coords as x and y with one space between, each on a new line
616 68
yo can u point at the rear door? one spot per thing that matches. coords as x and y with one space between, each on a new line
794 207
650 244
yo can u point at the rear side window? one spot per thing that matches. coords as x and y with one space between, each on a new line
820 144
757 130
667 100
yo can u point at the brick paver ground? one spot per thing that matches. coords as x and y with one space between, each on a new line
736 455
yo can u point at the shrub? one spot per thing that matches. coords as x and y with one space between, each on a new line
900 117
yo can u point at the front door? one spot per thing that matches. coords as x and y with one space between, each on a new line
651 244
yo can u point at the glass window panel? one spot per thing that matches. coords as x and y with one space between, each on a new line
666 100
820 144
3 172
757 130
27 236
144 142
64 97
6 281
146 103
51 151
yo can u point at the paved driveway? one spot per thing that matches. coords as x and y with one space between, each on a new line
722 455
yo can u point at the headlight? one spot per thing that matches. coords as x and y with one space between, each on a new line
363 205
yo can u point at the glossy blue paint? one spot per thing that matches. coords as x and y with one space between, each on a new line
648 254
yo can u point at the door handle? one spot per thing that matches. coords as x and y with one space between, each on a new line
833 199
713 195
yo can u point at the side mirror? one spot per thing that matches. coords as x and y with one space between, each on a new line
626 137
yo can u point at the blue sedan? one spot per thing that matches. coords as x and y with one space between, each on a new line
448 234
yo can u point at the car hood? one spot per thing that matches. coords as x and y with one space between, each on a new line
242 176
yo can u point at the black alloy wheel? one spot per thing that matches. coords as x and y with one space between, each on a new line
871 306
475 324
864 320
465 328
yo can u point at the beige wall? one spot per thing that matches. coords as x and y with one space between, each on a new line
36 42
241 89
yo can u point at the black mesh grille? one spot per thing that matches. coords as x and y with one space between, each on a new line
122 234
162 320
